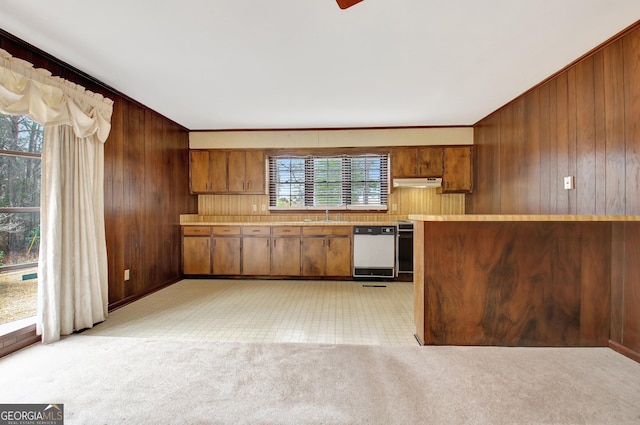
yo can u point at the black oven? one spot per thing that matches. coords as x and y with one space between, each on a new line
404 248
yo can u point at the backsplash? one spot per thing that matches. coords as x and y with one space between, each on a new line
249 208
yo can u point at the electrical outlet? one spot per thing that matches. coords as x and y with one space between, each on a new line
569 183
394 207
126 274
254 208
264 207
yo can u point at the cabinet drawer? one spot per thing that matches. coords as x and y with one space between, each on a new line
256 230
285 231
226 230
327 230
197 231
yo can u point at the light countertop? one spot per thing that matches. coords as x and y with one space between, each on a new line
290 223
522 217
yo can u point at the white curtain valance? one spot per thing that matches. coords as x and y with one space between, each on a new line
72 269
52 100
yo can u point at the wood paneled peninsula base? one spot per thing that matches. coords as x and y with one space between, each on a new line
523 280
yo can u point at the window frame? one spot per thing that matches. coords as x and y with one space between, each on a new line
18 210
346 184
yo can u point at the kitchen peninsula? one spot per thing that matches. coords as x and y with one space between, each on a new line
515 280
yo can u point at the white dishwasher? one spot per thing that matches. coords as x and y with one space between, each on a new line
374 250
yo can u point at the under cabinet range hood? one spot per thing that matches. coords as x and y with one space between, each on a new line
418 182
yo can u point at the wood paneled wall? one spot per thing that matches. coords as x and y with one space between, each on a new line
146 184
584 122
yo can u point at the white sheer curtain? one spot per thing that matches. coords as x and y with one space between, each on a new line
72 272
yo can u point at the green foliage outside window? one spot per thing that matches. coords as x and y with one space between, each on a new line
328 181
21 141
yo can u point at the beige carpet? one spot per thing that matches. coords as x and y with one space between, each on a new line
110 380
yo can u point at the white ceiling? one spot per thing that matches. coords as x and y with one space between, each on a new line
247 64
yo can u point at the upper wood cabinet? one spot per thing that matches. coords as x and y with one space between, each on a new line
421 161
227 171
458 170
246 171
206 175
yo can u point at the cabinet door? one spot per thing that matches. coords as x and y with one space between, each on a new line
256 256
313 256
196 255
254 171
285 256
226 256
218 171
199 171
429 162
237 171
403 162
338 256
457 169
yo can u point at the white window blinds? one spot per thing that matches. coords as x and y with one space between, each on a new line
339 181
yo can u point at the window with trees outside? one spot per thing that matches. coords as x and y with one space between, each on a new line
21 142
329 182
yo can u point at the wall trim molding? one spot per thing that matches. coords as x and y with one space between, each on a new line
128 300
18 339
627 352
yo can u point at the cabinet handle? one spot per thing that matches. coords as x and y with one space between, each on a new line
286 231
275 241
248 185
329 243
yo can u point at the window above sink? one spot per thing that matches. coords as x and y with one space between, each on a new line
335 182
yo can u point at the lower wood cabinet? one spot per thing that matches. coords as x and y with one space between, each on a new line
256 250
314 256
326 251
313 251
285 251
226 250
196 250
338 256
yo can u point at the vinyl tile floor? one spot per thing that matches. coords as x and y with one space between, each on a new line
302 311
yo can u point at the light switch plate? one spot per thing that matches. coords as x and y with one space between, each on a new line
569 183
126 274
